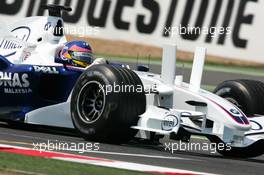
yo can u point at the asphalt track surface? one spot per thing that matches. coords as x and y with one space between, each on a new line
159 155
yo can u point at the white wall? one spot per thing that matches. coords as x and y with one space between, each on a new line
251 29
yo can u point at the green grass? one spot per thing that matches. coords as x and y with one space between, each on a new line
19 164
247 70
208 87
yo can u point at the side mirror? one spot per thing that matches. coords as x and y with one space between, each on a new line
142 68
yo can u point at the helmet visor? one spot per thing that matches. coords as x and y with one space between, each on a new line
82 56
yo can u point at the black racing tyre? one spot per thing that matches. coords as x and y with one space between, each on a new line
105 103
248 95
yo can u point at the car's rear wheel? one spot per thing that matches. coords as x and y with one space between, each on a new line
248 95
100 112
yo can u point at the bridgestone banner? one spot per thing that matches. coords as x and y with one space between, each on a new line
231 29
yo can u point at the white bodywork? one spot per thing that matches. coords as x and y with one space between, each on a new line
173 94
31 41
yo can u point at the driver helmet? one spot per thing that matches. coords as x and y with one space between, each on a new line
77 53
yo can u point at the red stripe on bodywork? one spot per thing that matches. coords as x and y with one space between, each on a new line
244 120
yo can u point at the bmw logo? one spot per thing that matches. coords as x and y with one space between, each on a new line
234 111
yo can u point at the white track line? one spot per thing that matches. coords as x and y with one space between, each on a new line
139 155
105 152
100 162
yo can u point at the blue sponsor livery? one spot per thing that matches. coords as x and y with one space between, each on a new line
29 87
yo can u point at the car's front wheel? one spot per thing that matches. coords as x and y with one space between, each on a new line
106 102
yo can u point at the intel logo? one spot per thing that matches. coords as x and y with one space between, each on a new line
22 32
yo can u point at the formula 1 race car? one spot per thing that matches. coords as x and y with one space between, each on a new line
111 103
